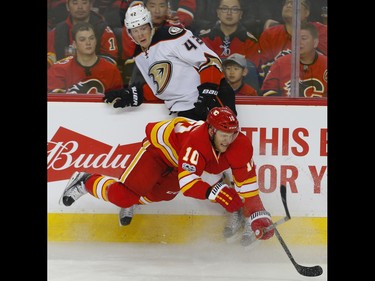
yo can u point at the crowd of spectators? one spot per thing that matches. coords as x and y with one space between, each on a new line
260 30
90 51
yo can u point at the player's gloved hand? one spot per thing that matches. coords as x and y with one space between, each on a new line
225 196
259 221
206 99
133 96
226 95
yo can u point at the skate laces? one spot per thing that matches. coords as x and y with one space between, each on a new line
76 191
76 188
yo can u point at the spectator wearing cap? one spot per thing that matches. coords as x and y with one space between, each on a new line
235 71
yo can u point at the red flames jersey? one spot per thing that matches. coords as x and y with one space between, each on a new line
313 78
67 75
275 42
184 144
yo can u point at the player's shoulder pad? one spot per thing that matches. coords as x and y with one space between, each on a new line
169 32
240 151
198 138
174 30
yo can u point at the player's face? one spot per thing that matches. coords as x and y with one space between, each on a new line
85 42
142 35
222 140
159 11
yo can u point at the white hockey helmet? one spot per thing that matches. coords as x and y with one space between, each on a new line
137 15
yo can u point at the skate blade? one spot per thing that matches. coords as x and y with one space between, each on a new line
250 245
234 238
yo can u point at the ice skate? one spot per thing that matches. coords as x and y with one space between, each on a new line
235 222
126 215
75 188
248 239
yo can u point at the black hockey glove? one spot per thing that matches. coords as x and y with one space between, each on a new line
227 95
132 96
206 99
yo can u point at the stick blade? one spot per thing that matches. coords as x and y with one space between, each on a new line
303 270
310 271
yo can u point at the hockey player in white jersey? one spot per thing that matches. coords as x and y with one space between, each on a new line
178 67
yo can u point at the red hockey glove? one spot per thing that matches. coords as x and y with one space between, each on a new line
225 196
259 221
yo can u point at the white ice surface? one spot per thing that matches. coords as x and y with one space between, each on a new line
198 261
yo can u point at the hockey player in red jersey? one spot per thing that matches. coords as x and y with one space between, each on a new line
188 156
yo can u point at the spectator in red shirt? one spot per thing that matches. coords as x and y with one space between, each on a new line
60 38
56 12
229 36
313 73
184 10
276 41
85 72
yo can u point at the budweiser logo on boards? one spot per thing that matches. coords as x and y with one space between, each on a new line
69 151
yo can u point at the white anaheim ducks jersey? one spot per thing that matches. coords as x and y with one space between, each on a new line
175 64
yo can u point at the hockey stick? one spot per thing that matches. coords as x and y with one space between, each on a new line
303 270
